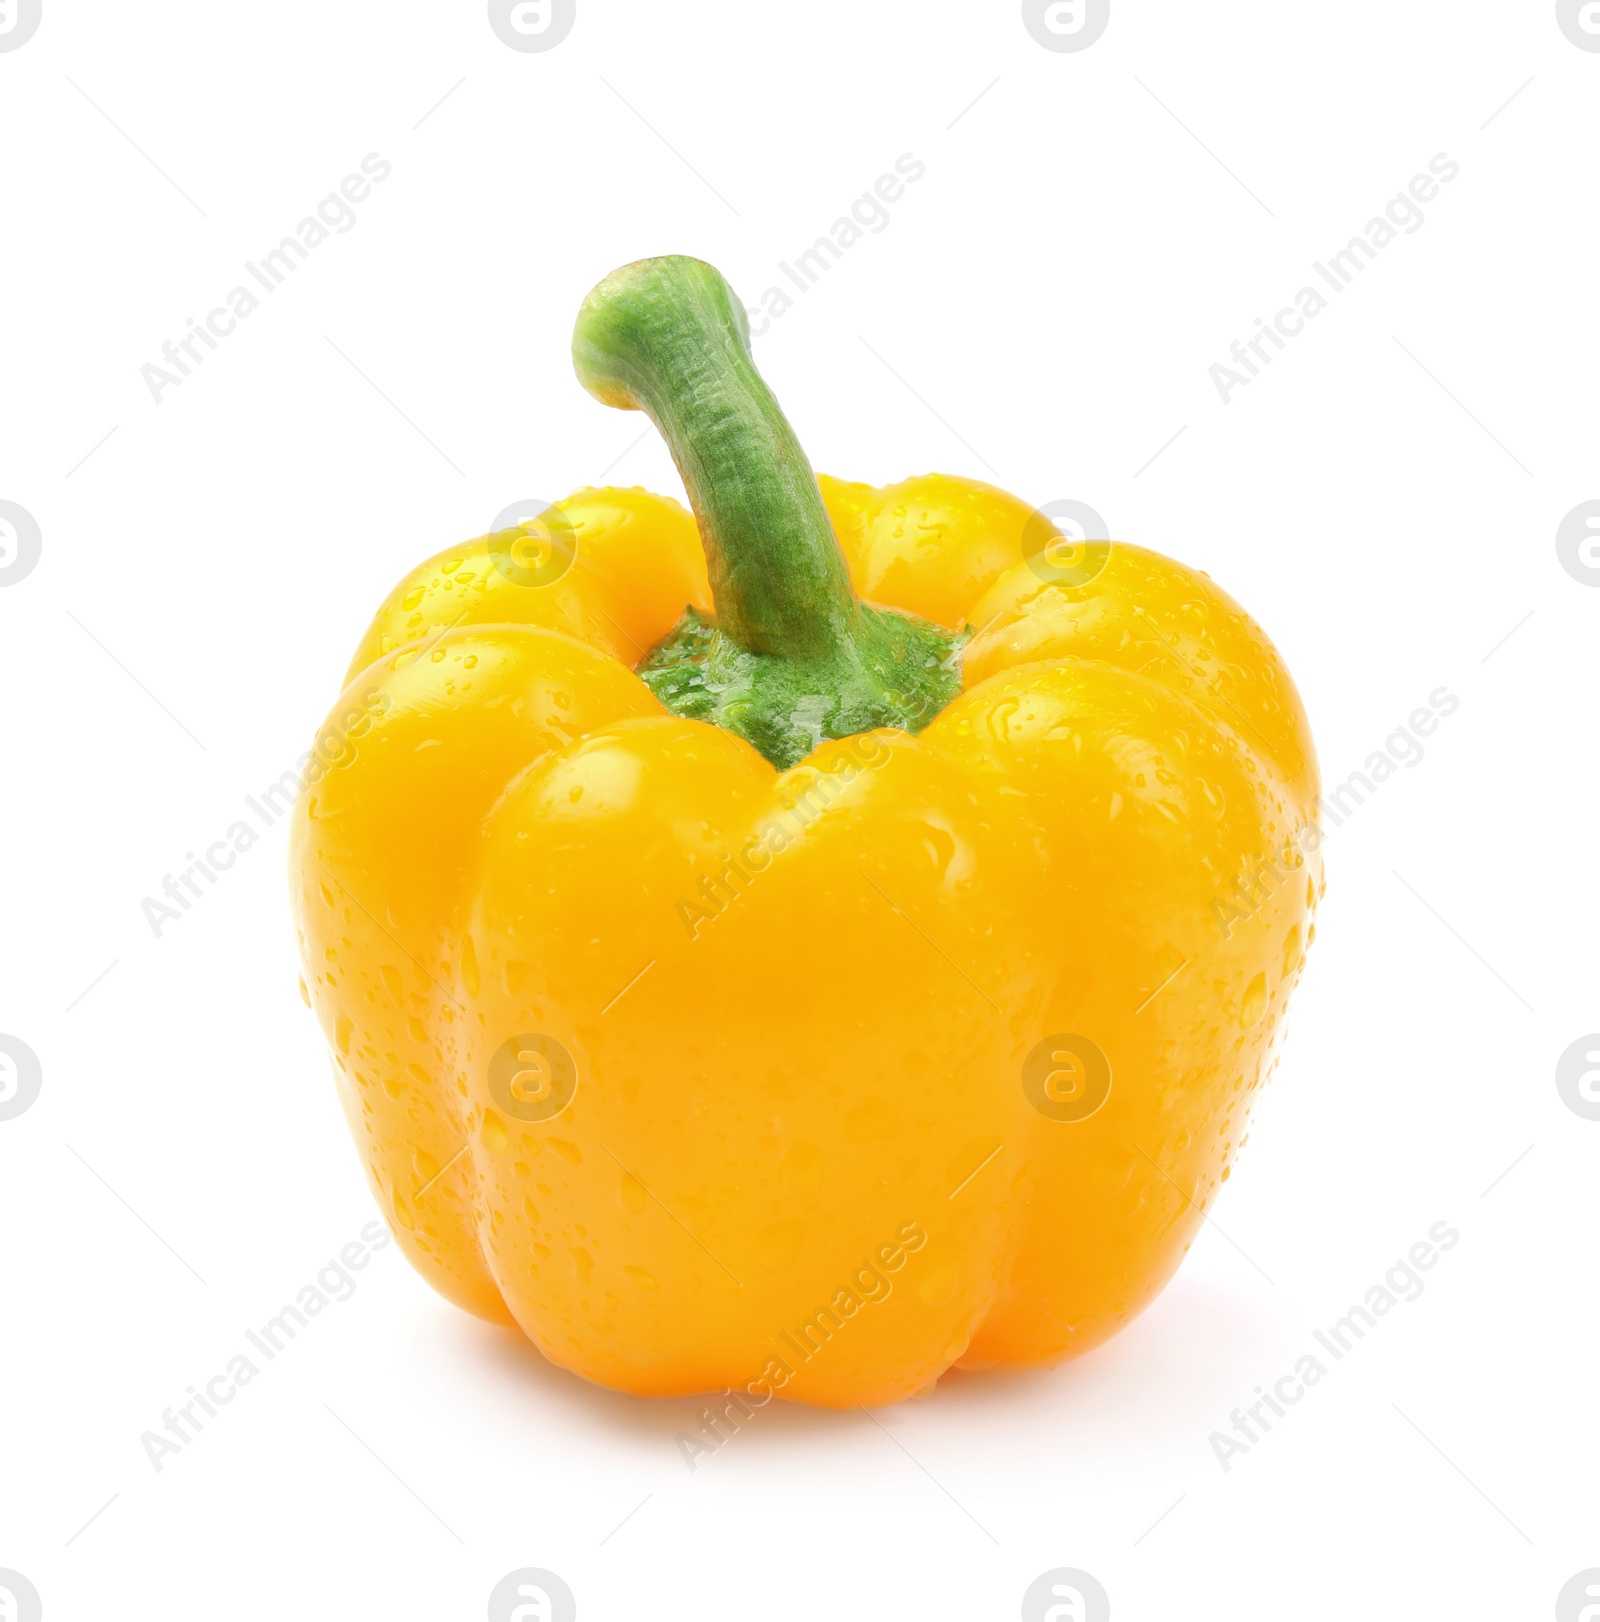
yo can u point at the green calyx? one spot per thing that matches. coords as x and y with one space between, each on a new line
793 657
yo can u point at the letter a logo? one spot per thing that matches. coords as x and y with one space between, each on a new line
1070 1607
537 1606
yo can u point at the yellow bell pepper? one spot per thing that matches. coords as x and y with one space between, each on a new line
807 975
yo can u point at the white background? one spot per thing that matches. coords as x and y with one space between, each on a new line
1384 498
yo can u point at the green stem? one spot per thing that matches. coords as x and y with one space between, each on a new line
793 656
668 337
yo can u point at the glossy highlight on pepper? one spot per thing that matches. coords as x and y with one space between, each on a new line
807 943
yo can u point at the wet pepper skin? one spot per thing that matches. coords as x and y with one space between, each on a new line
799 1056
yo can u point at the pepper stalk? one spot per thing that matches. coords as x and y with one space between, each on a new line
792 656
